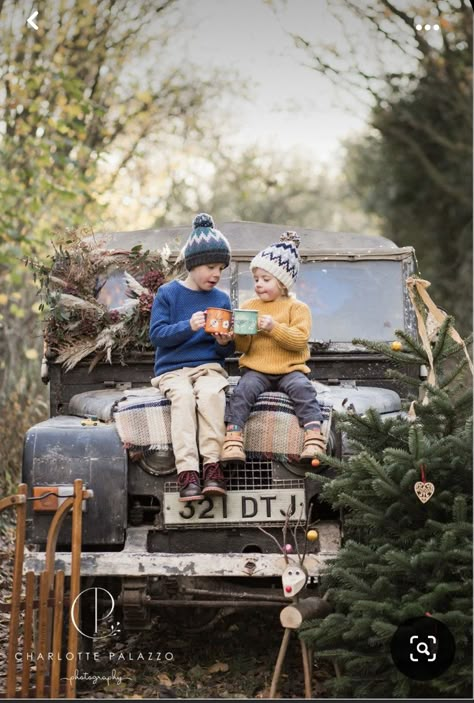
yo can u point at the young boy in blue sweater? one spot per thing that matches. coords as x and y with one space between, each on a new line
189 363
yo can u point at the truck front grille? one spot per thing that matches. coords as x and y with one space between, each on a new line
251 476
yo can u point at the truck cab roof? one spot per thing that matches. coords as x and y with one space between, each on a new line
246 238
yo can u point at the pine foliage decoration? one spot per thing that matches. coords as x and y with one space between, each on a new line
402 558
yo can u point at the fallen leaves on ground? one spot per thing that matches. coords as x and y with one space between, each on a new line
218 667
179 680
165 680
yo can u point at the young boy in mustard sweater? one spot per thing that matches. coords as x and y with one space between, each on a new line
275 358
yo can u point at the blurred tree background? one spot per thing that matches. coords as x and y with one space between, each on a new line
103 127
413 167
72 114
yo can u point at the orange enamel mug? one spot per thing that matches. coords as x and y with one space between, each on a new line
218 321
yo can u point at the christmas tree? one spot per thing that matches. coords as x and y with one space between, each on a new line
403 558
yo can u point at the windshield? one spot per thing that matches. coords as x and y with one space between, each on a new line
111 290
224 283
347 299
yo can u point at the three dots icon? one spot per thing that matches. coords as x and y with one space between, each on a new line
427 27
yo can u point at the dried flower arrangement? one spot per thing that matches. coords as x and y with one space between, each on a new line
97 301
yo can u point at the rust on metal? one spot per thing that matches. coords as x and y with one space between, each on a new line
46 498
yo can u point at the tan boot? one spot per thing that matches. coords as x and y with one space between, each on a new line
233 447
314 441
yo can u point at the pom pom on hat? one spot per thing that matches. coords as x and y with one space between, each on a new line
291 237
280 259
205 245
203 220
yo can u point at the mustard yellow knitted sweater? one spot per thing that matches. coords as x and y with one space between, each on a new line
283 349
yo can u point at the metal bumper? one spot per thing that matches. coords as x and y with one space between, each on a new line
134 560
142 563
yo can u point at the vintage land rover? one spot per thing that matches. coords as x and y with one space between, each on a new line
139 542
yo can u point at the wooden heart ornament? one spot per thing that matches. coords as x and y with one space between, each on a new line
424 490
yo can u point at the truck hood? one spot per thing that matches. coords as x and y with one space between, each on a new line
359 398
101 403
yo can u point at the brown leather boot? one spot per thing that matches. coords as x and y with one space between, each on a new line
233 447
189 486
214 480
314 441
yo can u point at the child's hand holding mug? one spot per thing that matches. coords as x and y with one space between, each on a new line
266 323
198 320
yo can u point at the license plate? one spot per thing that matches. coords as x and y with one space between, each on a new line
236 507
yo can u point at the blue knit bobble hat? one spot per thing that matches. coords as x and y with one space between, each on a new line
206 245
280 259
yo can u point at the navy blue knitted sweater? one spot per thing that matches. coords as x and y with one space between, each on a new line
170 332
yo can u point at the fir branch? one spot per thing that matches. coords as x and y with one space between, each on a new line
375 468
416 443
398 357
406 380
398 560
463 403
331 461
434 392
409 479
442 337
318 477
385 489
412 343
446 381
460 511
395 454
351 580
464 528
453 348
356 504
401 687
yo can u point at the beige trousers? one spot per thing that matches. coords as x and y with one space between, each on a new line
197 396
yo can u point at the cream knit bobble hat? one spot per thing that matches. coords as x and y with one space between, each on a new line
280 259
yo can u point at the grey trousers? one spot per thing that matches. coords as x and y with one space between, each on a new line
296 385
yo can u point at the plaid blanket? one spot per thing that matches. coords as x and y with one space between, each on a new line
272 430
143 422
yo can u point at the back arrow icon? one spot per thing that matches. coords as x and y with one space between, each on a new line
31 19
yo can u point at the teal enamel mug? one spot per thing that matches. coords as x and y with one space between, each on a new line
245 321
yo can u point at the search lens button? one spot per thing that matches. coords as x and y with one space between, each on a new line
422 648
